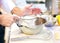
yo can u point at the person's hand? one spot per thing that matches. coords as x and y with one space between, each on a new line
7 19
22 12
17 11
27 9
31 11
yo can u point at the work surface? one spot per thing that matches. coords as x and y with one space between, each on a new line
22 38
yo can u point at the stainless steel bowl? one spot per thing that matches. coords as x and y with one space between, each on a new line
29 26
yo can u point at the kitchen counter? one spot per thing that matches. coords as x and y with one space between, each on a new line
22 38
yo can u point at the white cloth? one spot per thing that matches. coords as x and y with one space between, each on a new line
8 5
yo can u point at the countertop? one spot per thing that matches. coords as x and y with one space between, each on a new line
23 38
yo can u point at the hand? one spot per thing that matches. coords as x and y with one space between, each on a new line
22 12
31 11
27 9
17 11
7 19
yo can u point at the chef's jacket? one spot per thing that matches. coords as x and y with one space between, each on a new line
8 5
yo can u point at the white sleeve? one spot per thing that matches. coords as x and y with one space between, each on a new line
8 5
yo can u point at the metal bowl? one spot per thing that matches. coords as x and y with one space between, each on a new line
29 25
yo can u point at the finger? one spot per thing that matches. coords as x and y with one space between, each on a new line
28 6
15 18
